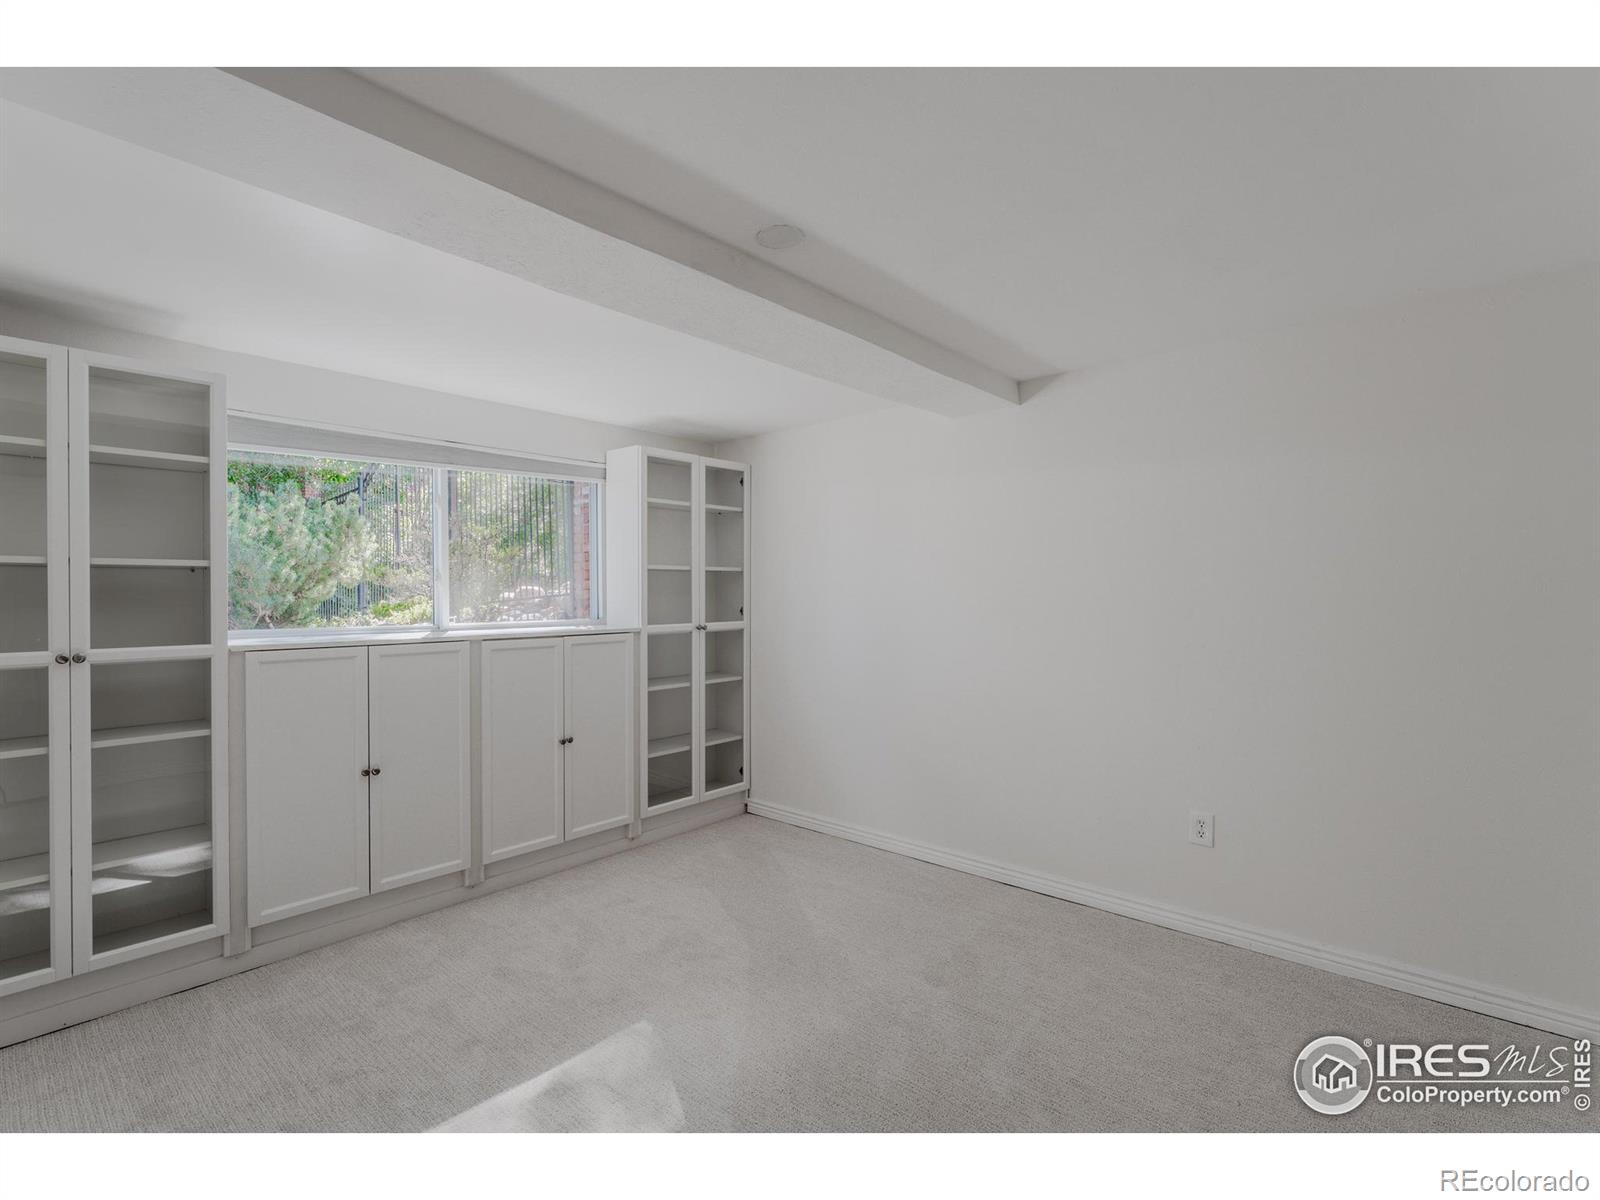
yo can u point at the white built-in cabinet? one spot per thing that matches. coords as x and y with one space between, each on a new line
358 760
357 772
113 561
558 740
677 562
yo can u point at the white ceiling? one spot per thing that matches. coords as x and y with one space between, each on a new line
1021 222
119 234
1046 220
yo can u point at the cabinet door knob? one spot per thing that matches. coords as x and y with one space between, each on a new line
365 771
80 658
377 770
63 659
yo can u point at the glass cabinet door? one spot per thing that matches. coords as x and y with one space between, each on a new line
149 843
722 630
147 627
723 704
35 768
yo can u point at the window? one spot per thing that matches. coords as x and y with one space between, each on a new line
519 548
339 543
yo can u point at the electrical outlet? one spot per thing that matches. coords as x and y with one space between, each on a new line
1202 829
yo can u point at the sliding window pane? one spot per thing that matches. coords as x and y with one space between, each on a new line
328 543
521 548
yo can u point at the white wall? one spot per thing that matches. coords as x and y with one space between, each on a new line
1339 586
268 387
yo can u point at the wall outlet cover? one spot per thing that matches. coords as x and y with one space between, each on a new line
1202 828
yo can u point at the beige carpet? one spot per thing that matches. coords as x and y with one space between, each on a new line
795 981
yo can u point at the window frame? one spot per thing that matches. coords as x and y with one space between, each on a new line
441 625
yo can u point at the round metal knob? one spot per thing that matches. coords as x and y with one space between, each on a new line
63 659
365 771
377 770
80 658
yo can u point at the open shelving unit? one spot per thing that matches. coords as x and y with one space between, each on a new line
677 549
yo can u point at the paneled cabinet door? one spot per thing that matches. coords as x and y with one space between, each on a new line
523 724
421 778
305 794
600 733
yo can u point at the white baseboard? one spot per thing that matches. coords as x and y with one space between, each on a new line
1462 993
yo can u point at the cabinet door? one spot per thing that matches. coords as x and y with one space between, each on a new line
305 795
600 747
421 778
522 759
147 579
35 688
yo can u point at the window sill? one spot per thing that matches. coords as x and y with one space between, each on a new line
247 640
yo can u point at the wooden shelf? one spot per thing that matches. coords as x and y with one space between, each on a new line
662 502
19 873
24 747
663 683
22 447
715 791
668 796
108 655
709 568
22 560
679 742
166 460
676 744
666 567
174 563
135 735
724 508
172 852
24 964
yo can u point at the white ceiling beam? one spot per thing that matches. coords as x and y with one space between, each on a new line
334 140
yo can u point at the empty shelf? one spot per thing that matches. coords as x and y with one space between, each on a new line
167 460
662 502
667 567
133 735
668 796
150 562
22 560
710 568
29 447
676 744
717 788
24 964
664 683
715 737
171 852
17 873
725 508
24 747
